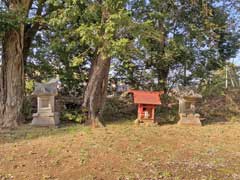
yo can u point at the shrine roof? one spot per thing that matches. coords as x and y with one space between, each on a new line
46 89
146 97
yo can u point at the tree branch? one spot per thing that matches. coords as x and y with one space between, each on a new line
31 30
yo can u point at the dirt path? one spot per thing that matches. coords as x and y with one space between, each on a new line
121 151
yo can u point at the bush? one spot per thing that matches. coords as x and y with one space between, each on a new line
27 108
118 109
168 111
29 86
73 115
222 107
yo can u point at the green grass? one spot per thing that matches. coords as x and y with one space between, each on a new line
27 132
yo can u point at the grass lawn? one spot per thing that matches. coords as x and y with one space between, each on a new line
121 151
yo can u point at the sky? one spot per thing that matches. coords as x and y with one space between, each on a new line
236 60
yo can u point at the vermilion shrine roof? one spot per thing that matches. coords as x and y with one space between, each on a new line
146 97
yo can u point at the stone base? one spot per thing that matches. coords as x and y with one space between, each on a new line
189 119
43 120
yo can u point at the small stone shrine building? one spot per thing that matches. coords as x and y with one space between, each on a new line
147 102
46 115
187 108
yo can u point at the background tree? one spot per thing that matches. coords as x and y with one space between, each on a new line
194 35
105 31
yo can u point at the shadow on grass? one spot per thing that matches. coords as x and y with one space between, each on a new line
163 123
205 122
27 132
128 120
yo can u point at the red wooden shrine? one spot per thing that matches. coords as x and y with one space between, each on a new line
147 102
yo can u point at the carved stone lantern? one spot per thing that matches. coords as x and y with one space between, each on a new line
187 108
46 115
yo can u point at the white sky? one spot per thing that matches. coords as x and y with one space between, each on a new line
236 60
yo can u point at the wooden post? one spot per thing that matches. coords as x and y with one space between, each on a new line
139 111
153 113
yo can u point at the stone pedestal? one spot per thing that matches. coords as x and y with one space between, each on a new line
45 119
46 115
189 119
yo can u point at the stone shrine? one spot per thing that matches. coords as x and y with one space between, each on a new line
46 115
187 107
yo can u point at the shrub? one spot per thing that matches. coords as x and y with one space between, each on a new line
29 86
73 115
27 108
118 109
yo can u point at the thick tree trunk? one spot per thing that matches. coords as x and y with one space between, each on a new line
11 79
12 70
96 91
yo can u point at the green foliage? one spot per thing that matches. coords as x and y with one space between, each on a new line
8 21
194 39
27 108
116 109
29 86
73 115
92 27
215 86
153 44
11 19
58 57
168 111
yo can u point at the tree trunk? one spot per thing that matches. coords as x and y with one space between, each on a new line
162 79
12 79
12 70
96 91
